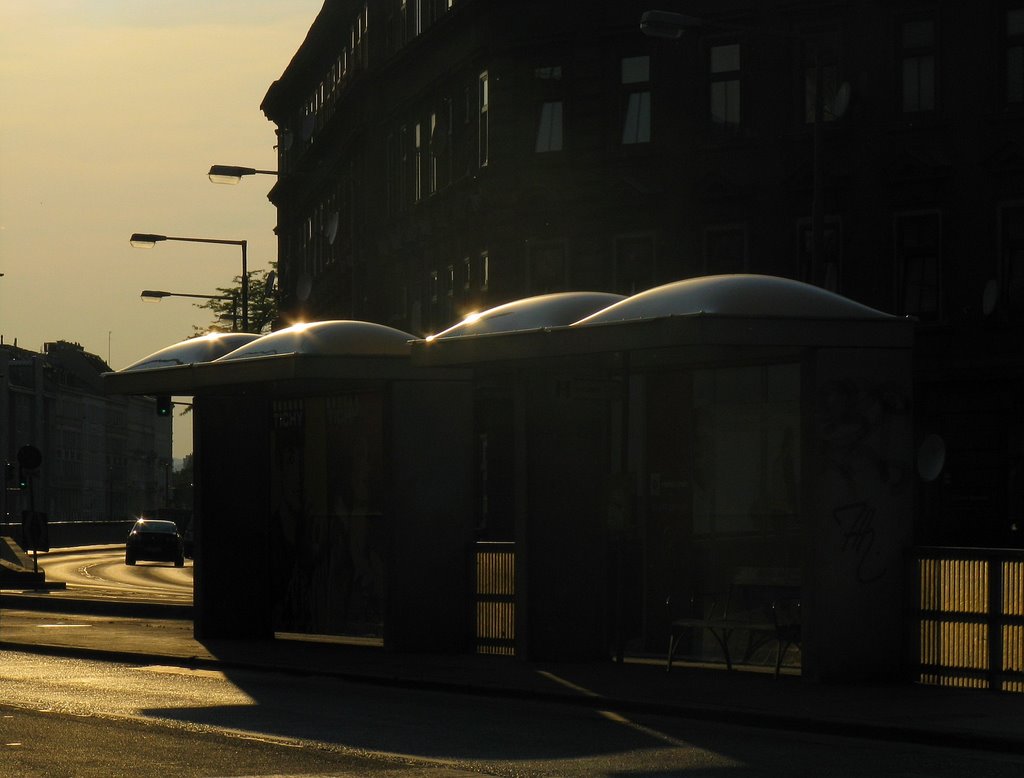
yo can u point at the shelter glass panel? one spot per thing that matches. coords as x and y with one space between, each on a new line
329 526
746 449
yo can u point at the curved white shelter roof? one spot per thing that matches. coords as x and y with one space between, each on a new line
735 295
333 338
531 313
193 351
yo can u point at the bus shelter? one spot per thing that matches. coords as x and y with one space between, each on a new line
325 502
651 451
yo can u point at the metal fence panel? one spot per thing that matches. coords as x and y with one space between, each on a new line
969 620
495 598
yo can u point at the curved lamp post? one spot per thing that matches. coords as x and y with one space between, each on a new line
232 174
145 240
156 295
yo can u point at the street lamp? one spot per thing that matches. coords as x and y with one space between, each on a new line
145 240
665 24
671 26
232 174
156 295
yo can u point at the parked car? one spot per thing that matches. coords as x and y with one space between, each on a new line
154 540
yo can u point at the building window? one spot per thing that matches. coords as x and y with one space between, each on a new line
725 87
441 146
546 268
417 135
484 270
1011 252
725 249
449 291
547 82
404 167
918 241
823 271
634 263
432 285
467 274
549 129
917 78
484 104
435 144
1015 56
636 83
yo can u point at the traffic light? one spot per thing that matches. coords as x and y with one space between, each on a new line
15 479
163 405
29 460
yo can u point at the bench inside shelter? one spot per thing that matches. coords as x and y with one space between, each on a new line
761 605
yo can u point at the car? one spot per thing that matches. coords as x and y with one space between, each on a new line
154 540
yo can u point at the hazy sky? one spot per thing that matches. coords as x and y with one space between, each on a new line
111 112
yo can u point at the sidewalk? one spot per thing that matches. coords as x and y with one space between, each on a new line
918 714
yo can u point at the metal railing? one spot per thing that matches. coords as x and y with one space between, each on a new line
969 617
495 568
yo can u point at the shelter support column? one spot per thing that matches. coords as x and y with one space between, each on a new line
857 511
233 595
430 491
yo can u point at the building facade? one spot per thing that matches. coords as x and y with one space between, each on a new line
103 457
438 157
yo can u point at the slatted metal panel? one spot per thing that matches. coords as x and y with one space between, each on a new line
970 625
495 598
1013 634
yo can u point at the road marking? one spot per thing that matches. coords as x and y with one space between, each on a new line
171 670
620 719
567 684
60 626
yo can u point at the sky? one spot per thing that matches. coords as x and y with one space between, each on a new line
111 113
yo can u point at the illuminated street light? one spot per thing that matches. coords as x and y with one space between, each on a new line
145 240
156 295
232 174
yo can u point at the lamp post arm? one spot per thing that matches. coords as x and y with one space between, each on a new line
199 296
245 269
218 241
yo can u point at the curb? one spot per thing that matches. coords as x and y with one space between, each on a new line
130 609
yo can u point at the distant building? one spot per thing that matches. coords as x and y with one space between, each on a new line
438 157
104 457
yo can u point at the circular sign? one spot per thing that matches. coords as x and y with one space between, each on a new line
931 457
29 457
990 297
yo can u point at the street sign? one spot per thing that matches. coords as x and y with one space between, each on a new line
35 531
29 457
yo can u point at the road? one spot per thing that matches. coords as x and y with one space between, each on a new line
100 571
65 716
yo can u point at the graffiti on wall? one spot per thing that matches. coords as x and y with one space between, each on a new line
856 524
862 429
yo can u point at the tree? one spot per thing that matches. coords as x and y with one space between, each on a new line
262 303
181 481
